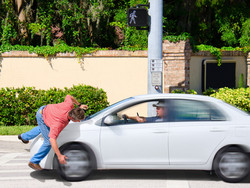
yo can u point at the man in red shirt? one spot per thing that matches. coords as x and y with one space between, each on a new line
52 119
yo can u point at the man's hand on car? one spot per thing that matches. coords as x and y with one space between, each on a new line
84 107
62 159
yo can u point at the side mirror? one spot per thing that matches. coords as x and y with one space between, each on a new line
111 120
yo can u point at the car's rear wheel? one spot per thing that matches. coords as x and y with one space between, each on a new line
232 165
80 162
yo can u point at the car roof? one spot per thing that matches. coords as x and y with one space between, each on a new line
179 96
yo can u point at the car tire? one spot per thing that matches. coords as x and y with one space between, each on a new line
232 165
80 162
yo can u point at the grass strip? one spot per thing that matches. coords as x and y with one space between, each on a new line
15 130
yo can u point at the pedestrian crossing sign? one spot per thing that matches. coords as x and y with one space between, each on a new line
137 17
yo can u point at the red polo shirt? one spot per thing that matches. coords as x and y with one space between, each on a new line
55 116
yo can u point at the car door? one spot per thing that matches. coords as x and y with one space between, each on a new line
134 143
197 128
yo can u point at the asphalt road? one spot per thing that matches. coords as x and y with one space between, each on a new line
14 172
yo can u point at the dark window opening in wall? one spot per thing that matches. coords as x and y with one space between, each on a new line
215 76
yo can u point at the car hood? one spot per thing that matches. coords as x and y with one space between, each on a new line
88 125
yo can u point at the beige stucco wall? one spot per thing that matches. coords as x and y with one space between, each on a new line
120 77
196 69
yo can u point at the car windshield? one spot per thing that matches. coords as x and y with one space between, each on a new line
111 106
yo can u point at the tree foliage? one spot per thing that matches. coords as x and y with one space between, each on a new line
213 22
103 23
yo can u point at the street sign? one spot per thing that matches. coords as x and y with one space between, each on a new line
156 78
156 65
137 17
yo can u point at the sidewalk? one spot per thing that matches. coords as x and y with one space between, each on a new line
10 144
9 138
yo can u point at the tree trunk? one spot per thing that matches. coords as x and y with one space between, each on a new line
19 9
21 16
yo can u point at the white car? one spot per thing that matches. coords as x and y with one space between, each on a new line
196 133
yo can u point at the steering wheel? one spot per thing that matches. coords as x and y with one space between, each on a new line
125 118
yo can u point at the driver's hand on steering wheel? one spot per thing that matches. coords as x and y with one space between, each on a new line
136 118
140 119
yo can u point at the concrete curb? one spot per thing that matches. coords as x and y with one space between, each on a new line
9 138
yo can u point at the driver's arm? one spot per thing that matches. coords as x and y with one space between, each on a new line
136 118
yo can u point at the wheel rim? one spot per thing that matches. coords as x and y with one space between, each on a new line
234 165
78 163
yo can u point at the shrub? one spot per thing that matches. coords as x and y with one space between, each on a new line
209 91
238 97
241 81
18 106
189 91
178 91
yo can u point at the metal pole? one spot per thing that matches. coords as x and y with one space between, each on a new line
154 48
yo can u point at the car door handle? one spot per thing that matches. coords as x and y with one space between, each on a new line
217 130
160 131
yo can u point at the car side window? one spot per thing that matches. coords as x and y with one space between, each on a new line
137 113
192 110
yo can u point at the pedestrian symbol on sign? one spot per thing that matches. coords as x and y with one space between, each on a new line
137 17
132 17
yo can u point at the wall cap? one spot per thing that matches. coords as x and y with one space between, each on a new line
101 53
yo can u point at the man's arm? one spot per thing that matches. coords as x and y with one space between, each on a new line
137 118
85 107
60 157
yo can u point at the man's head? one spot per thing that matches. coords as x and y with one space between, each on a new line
160 109
76 115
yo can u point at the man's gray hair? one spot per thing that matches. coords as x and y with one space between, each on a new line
77 114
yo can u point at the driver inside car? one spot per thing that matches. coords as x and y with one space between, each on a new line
160 112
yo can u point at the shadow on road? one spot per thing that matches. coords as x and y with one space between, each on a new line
189 175
153 174
44 175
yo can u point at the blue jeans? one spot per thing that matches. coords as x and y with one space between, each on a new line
31 134
41 128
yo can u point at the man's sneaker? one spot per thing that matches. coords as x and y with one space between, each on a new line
35 166
24 141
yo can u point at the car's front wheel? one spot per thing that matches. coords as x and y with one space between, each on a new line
80 162
232 165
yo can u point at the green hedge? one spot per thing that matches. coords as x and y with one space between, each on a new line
18 106
238 97
189 91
